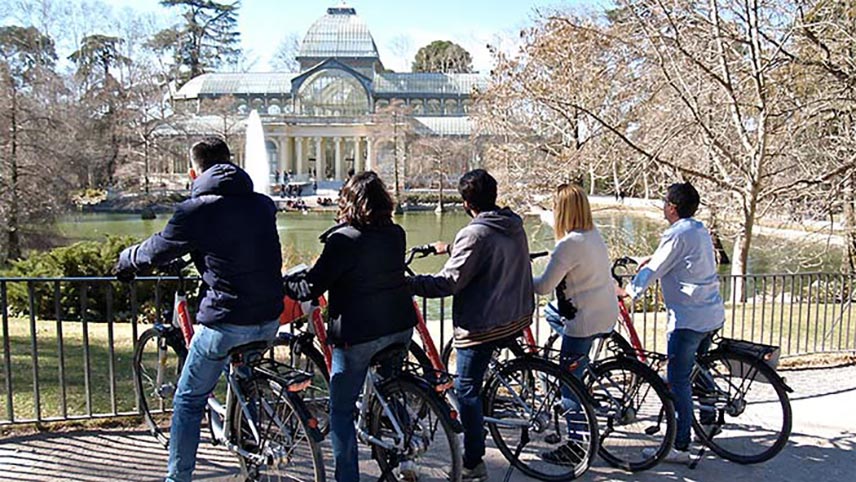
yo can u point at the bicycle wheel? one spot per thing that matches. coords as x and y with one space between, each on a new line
288 448
430 449
744 410
635 412
157 367
533 414
302 354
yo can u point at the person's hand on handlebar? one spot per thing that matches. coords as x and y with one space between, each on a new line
124 269
297 287
440 247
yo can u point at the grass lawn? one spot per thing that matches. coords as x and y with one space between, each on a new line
74 356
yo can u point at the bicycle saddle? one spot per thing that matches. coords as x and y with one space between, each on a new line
248 351
393 353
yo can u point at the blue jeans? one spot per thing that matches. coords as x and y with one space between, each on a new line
350 366
683 345
206 360
574 350
472 364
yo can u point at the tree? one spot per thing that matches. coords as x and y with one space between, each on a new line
285 57
442 159
701 90
208 38
103 100
27 58
443 56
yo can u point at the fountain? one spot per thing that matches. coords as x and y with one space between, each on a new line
256 155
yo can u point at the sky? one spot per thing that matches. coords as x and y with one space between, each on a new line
399 27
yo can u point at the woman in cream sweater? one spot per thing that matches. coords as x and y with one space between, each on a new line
578 270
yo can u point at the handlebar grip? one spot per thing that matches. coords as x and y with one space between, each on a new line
539 254
425 249
174 267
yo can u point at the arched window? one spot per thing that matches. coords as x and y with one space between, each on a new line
450 107
433 107
416 106
274 110
332 93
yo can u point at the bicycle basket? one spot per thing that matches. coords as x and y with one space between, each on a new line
769 354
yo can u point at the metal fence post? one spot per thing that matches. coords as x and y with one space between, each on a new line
7 354
34 346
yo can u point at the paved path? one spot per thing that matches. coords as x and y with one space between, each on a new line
822 447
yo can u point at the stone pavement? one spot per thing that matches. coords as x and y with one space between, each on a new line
822 446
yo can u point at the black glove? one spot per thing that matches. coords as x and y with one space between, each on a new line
124 269
297 286
123 273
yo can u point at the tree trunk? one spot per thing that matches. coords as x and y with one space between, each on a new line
13 238
740 253
440 207
850 223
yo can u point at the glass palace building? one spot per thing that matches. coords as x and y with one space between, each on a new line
335 114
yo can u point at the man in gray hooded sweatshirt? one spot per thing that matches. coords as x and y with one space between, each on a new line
490 277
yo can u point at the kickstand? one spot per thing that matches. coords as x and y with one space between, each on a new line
524 441
697 458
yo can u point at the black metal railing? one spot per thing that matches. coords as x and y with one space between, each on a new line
68 342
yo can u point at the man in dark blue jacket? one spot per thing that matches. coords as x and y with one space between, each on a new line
230 233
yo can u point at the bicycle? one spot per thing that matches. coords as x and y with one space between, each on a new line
263 422
522 396
727 382
399 413
633 404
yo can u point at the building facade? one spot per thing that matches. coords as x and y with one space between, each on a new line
343 110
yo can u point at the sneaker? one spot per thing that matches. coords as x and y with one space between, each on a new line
476 474
569 454
674 456
407 471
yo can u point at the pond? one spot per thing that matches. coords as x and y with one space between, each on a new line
624 233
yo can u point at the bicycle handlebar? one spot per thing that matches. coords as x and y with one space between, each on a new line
422 251
174 267
622 262
539 254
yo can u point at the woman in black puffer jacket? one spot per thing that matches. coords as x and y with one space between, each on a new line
370 308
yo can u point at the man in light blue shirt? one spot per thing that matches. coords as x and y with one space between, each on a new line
686 265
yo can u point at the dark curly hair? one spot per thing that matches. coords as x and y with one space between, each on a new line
365 201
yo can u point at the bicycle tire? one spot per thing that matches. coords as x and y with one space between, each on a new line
631 403
399 392
771 393
155 399
284 428
307 358
545 381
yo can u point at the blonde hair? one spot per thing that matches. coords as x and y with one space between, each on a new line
571 210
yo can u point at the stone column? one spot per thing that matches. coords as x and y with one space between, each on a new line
320 164
298 144
369 154
358 154
339 168
286 155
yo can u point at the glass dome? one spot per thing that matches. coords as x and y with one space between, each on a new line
330 93
339 33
